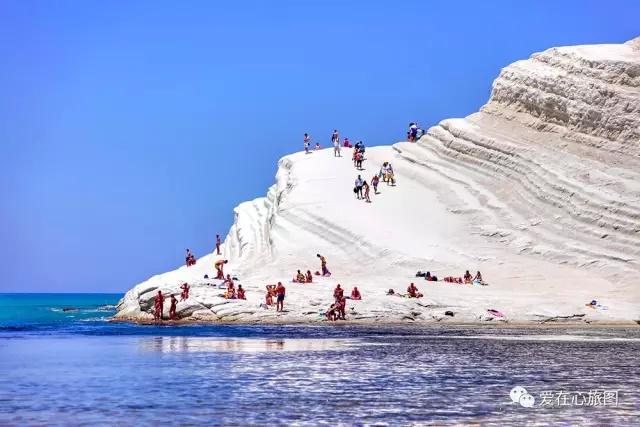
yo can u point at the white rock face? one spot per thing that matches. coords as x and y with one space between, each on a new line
540 190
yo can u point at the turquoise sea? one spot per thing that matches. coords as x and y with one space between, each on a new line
63 363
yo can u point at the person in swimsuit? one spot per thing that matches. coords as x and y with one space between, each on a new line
355 293
342 305
268 300
172 308
323 265
478 278
218 242
219 268
365 187
412 290
159 306
338 293
300 277
185 291
241 292
280 291
467 277
309 277
374 181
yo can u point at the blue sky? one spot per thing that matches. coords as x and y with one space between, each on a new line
130 130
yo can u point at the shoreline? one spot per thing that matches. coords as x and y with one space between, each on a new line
340 323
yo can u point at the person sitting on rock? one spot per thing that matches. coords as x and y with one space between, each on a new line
355 293
413 292
219 265
240 294
300 277
172 308
228 280
231 290
309 277
332 312
467 277
478 278
185 291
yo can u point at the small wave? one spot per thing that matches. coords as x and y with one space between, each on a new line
11 328
95 319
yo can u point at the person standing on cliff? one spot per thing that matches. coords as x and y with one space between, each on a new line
172 308
365 187
159 306
280 291
374 181
185 291
323 265
335 140
307 142
219 268
218 244
358 183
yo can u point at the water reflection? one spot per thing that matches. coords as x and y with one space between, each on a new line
173 344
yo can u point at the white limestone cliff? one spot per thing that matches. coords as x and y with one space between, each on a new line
540 190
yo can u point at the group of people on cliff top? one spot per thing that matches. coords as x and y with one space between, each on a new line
190 259
414 133
335 142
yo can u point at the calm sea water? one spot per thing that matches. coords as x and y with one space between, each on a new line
74 368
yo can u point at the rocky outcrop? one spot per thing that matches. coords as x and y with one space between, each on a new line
540 190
